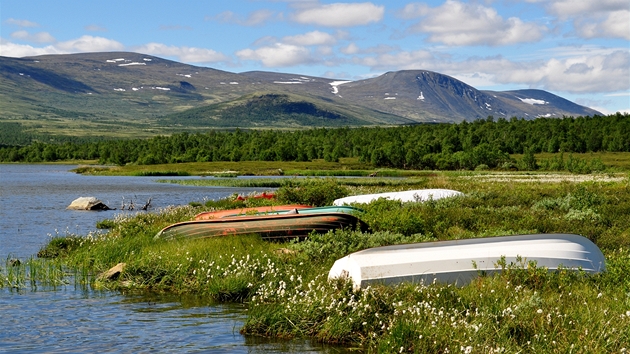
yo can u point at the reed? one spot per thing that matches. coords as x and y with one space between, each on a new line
32 273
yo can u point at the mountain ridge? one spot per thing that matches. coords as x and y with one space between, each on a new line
119 87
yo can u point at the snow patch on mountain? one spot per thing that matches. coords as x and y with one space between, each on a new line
132 63
295 80
532 101
335 84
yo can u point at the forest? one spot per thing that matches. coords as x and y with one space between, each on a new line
486 143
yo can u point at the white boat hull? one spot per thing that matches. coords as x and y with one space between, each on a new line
460 261
418 195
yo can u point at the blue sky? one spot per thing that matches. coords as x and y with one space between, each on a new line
577 49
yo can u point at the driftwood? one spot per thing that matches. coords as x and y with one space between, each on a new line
132 205
147 205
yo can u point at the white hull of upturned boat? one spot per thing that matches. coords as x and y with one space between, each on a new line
460 261
418 195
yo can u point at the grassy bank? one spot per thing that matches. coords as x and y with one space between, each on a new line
241 168
608 162
285 285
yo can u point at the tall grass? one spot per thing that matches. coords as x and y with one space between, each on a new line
32 274
521 309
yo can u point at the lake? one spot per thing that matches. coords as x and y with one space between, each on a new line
81 320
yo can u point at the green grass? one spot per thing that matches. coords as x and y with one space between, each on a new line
286 288
32 273
259 168
348 167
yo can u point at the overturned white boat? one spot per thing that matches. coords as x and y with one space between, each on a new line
460 261
417 195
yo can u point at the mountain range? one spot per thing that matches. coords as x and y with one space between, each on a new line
132 93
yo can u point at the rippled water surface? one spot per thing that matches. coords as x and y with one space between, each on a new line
69 319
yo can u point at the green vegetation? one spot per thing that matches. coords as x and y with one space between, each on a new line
480 145
264 110
345 166
522 309
33 273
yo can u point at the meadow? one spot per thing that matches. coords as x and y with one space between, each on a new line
521 309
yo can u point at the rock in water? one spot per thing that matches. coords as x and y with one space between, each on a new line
88 203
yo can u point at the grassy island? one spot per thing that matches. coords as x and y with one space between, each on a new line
285 285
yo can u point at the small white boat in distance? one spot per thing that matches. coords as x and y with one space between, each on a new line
460 261
418 195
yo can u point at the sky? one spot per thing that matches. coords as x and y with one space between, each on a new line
577 49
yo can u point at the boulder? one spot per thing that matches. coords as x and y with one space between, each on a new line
88 203
113 273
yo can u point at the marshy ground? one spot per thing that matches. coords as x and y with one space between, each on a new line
285 285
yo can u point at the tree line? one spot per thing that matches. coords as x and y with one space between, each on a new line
466 145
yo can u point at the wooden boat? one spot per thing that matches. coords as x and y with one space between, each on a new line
281 226
418 195
460 261
248 211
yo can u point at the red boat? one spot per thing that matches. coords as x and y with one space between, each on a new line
209 215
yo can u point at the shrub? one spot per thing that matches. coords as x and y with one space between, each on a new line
339 243
313 191
60 246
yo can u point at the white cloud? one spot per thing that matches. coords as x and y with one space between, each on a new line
184 54
596 73
40 37
351 48
613 25
619 94
259 17
340 14
456 23
82 44
311 38
21 23
90 44
414 10
566 9
254 18
9 49
594 18
581 73
277 55
419 59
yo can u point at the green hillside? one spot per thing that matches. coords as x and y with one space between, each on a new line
266 110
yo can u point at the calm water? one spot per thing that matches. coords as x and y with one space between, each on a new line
33 201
